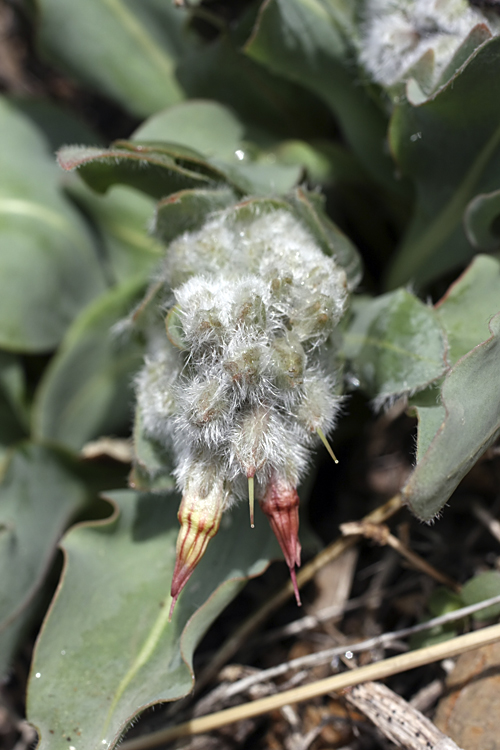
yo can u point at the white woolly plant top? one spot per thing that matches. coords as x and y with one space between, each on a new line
245 379
395 34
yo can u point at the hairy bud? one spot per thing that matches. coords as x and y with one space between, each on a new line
396 34
238 383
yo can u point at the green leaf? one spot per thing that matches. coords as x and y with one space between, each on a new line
394 344
443 600
39 494
450 147
86 390
153 466
471 398
468 306
302 40
213 131
58 124
310 207
157 170
477 292
260 178
121 219
481 587
187 211
97 667
203 125
482 221
430 414
477 36
126 50
326 162
13 410
48 266
270 106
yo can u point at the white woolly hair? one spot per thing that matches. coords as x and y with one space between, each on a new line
395 34
256 299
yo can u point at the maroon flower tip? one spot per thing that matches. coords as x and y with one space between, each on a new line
281 505
295 587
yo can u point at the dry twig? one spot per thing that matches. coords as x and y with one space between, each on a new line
396 719
376 671
380 534
334 550
325 656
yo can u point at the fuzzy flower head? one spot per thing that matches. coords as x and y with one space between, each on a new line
396 34
240 383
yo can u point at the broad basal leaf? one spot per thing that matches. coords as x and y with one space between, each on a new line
464 312
87 388
39 494
468 306
471 398
126 50
107 649
122 219
394 345
49 269
449 145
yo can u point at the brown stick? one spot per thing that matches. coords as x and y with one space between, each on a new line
396 719
380 534
378 670
334 550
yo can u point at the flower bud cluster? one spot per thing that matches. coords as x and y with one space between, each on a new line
243 379
397 33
